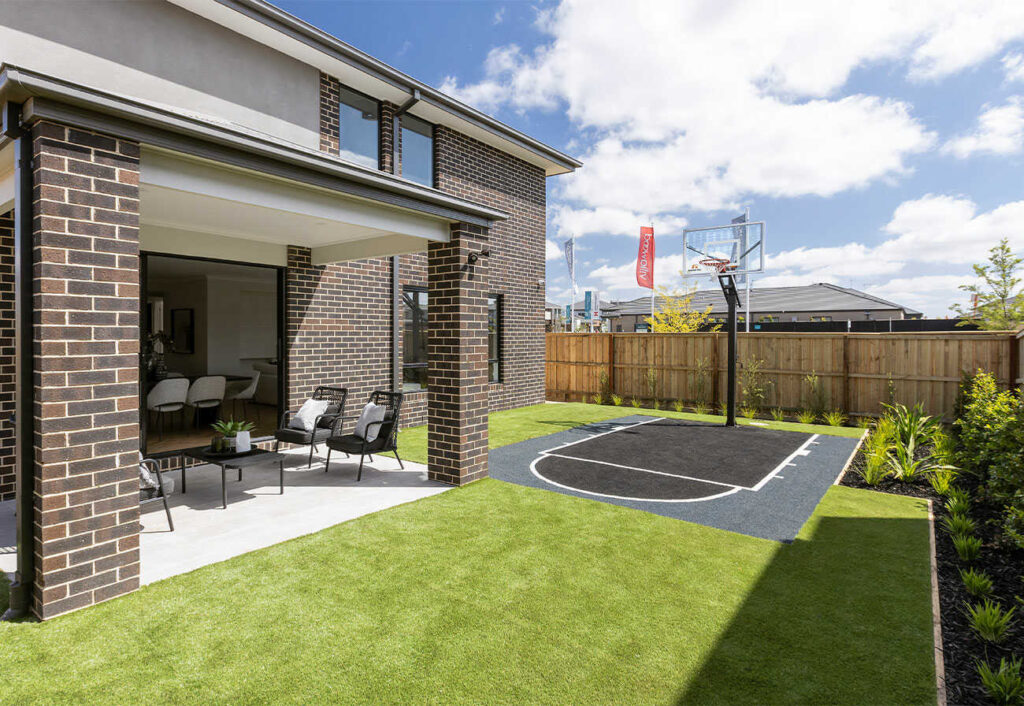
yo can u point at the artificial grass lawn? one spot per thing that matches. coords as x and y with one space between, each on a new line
513 425
502 593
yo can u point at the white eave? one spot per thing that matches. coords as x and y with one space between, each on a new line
271 26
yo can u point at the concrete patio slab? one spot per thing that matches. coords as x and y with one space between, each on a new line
257 516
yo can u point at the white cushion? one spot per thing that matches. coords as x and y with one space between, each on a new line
305 418
371 413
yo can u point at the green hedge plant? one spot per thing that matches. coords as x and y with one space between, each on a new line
1005 685
990 621
967 547
977 583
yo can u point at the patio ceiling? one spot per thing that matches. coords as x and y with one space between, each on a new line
191 206
6 177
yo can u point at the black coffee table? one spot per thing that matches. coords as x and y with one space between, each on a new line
238 461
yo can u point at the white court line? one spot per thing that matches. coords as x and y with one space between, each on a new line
643 470
603 433
533 469
803 447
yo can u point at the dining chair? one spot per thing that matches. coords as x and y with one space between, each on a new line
247 394
205 393
167 397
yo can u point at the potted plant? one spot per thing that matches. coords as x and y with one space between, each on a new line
234 436
153 348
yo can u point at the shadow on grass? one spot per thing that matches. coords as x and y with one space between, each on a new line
840 617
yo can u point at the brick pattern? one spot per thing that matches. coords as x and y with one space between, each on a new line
86 299
387 136
457 356
337 327
7 363
330 137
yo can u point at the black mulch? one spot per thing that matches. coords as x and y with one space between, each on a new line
961 647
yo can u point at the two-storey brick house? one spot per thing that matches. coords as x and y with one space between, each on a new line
397 236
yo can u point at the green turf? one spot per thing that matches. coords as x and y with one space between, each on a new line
514 425
501 593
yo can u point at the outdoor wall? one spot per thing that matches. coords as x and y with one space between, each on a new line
856 370
7 369
185 61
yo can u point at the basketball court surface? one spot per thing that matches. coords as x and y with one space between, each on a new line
747 479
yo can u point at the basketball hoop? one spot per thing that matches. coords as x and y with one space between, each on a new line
719 264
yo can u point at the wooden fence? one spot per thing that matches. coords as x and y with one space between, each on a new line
858 371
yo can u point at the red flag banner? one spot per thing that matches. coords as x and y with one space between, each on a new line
645 258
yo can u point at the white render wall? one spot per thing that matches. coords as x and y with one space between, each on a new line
157 52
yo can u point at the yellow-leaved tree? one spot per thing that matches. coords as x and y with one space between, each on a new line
677 315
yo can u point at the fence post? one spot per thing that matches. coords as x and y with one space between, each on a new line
611 363
1014 361
846 374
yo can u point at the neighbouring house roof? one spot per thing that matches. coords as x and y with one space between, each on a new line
272 26
808 298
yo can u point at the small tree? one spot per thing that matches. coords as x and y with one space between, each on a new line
996 303
676 316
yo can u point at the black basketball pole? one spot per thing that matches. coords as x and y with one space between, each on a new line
732 297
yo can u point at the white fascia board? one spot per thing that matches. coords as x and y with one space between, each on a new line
171 241
381 246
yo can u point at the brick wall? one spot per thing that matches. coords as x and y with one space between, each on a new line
7 367
355 297
86 292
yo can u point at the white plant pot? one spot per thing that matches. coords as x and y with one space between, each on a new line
242 442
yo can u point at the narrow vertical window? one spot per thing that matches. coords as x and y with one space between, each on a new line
417 150
494 338
414 339
359 125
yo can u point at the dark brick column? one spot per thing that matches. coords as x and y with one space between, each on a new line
7 369
86 301
457 357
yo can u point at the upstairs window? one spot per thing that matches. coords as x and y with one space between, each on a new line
358 129
414 340
417 150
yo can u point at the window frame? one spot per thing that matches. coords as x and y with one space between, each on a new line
405 332
433 148
380 110
499 307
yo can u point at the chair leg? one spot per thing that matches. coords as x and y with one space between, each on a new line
167 509
277 445
327 466
399 460
312 448
359 476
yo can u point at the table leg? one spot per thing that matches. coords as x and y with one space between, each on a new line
239 475
281 467
224 487
184 487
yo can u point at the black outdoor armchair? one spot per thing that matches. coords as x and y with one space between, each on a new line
387 433
322 425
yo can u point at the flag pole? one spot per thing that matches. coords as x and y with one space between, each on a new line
746 277
651 329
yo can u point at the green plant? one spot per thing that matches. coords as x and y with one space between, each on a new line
723 409
617 400
864 422
651 384
603 385
834 418
754 384
957 502
748 412
635 401
958 524
967 547
944 447
989 620
977 583
598 398
878 439
229 429
942 480
876 468
777 414
912 425
655 403
906 467
1005 686
701 408
806 416
702 382
996 301
817 398
678 406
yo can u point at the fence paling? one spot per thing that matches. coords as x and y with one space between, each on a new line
856 370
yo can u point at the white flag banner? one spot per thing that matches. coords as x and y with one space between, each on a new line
569 260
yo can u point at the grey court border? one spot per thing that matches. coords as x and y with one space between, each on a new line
775 508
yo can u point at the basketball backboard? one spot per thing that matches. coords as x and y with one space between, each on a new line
736 249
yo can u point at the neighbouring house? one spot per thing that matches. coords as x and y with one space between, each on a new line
811 303
225 189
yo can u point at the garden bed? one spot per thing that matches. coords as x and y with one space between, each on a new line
961 646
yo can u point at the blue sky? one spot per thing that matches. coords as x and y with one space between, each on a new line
882 142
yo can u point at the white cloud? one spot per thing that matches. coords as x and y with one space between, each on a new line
1013 67
551 250
1000 130
684 114
611 221
499 16
932 294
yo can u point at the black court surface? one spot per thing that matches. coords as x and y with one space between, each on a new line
747 479
671 460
